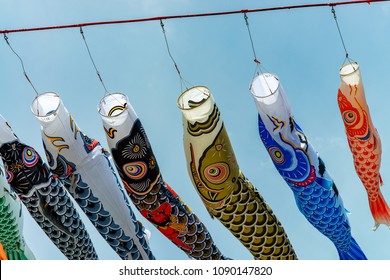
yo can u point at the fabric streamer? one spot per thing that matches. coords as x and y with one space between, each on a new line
140 173
84 167
363 139
44 196
11 223
227 194
299 164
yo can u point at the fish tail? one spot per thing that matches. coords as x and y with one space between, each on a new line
16 255
11 255
380 211
354 252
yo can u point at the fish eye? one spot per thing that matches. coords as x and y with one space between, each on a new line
349 117
217 173
135 170
29 156
276 154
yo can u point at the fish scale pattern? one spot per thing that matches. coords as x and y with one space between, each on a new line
253 222
10 236
102 220
68 233
47 201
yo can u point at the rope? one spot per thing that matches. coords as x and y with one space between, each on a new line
183 82
258 64
341 37
21 62
93 62
250 37
160 18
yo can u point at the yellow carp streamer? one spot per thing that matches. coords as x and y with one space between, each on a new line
227 194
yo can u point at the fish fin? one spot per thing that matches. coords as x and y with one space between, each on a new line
16 254
380 180
354 252
50 214
380 210
347 211
3 255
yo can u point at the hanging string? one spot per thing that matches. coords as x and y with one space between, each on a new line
93 62
342 39
258 63
250 37
183 82
21 62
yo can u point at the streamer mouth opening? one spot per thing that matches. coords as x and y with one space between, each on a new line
349 68
113 105
264 86
193 97
46 104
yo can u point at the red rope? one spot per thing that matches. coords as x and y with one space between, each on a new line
78 25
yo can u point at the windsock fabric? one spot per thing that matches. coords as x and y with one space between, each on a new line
363 139
44 196
227 194
315 192
140 173
84 167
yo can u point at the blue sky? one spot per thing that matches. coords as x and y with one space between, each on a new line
301 46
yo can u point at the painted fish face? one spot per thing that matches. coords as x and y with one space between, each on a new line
135 160
284 140
355 118
25 168
218 171
291 158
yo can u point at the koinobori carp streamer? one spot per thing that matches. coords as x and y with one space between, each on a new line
227 194
363 139
140 173
85 169
44 196
315 192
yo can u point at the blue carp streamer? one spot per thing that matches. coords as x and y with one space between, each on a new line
315 192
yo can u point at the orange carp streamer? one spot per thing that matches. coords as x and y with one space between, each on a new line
363 139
